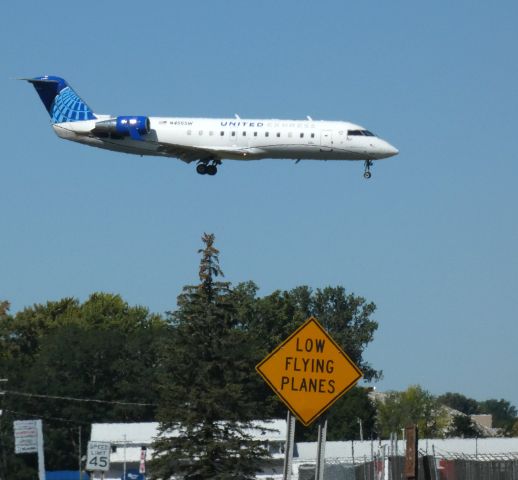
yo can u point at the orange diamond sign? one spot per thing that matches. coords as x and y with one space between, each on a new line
309 371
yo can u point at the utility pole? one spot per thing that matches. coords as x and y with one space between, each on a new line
361 428
124 464
79 456
4 466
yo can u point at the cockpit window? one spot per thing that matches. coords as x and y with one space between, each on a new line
359 133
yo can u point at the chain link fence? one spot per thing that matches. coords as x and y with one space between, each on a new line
438 467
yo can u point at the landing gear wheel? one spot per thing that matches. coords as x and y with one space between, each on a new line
202 169
211 170
368 165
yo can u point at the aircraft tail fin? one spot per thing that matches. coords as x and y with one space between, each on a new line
62 103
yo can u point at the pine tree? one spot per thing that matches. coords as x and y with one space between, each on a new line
207 371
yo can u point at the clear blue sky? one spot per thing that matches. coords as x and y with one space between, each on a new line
431 238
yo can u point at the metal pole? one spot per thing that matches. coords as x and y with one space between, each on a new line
434 462
124 464
80 472
372 459
3 467
321 448
288 451
41 455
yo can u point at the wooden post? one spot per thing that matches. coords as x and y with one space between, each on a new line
411 463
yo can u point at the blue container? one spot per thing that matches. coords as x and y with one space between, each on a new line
66 475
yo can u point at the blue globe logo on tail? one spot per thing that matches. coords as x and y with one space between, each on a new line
68 107
62 103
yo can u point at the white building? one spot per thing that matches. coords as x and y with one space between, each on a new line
127 440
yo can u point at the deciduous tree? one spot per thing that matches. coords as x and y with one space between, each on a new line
414 406
102 349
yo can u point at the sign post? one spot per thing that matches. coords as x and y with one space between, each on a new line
309 372
28 438
142 466
288 452
321 449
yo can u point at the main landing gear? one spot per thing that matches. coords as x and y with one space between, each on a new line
208 167
367 174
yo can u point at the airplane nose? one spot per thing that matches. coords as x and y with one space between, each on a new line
387 150
391 151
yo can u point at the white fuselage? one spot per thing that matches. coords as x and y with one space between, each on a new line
239 139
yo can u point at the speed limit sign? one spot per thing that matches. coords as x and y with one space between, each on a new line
98 457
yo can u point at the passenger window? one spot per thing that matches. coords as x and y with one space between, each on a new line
278 134
255 134
312 135
266 134
233 134
222 133
301 135
244 133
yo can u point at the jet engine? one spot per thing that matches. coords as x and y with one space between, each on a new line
123 126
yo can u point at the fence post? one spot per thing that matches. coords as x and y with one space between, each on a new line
427 469
411 465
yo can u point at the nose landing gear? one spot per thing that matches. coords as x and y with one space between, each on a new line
367 173
208 167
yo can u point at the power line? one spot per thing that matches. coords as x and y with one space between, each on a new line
73 399
56 419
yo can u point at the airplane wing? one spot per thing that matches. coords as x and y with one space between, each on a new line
192 154
186 154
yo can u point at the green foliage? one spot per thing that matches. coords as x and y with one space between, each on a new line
102 349
459 402
4 308
462 426
414 406
503 412
207 373
199 363
344 418
273 318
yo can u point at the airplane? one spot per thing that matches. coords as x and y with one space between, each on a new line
207 141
